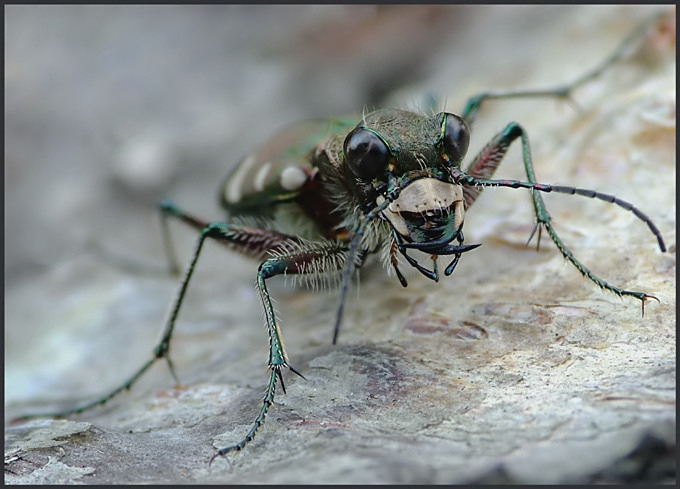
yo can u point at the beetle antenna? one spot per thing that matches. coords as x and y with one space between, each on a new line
485 182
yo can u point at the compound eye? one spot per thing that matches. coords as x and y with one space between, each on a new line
365 153
456 137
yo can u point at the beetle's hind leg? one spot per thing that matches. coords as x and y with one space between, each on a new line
564 91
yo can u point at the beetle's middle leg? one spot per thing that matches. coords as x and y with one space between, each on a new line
248 240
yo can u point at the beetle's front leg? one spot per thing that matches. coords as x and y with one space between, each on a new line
307 258
499 145
277 353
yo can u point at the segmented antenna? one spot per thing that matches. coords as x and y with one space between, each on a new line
485 182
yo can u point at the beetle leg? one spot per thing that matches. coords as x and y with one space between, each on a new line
483 166
299 258
503 140
248 240
252 241
474 104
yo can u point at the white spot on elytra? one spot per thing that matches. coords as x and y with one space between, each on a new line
261 176
232 189
293 178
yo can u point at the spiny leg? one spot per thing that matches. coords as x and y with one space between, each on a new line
314 259
247 240
503 140
484 165
488 159
474 104
277 360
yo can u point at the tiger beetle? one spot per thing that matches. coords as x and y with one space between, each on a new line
391 182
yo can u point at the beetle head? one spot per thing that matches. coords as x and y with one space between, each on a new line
406 158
